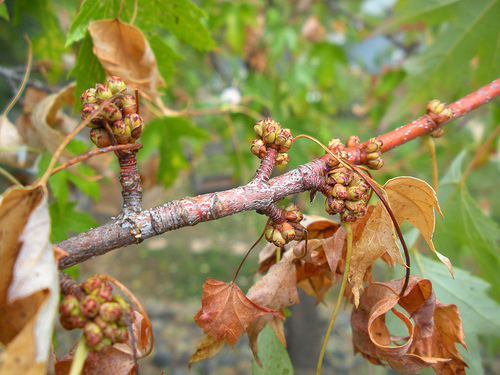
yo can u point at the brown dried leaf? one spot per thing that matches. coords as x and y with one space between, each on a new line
124 51
414 200
208 348
29 287
10 139
431 338
117 360
277 289
377 239
47 119
226 312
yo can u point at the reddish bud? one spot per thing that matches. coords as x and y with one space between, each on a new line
282 159
258 148
110 311
110 331
92 333
105 292
78 319
129 105
100 137
111 112
121 334
69 305
87 110
335 144
352 141
91 284
334 206
339 191
89 306
66 323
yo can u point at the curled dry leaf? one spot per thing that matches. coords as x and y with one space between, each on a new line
276 290
117 360
123 50
29 287
377 239
50 123
432 335
414 200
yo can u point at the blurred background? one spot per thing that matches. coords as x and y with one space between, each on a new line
323 68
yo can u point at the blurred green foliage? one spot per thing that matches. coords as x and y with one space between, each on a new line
324 68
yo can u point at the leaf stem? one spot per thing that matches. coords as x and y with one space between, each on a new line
349 237
79 357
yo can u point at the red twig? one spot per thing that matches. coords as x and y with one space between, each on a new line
259 194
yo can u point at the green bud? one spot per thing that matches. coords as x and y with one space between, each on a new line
258 148
355 192
373 155
282 159
374 144
135 123
87 110
69 305
88 96
258 128
269 131
92 283
375 164
116 85
102 93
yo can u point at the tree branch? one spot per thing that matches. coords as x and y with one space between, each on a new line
258 194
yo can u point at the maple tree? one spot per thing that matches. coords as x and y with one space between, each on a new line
127 65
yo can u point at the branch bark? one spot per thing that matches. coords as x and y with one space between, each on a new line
258 194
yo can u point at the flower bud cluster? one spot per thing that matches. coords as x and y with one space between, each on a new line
270 134
439 111
101 314
348 195
121 114
373 154
282 233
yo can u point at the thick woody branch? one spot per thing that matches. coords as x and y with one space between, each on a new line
259 194
189 211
